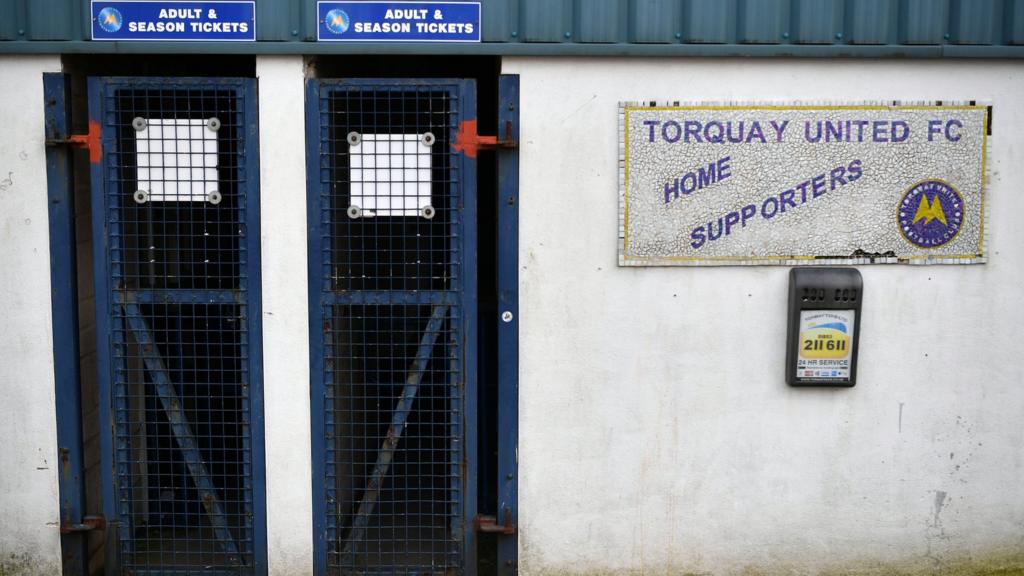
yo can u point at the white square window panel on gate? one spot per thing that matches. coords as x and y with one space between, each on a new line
177 160
389 175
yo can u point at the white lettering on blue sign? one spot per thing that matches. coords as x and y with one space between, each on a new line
398 21
174 21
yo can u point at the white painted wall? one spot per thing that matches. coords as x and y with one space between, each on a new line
29 502
657 433
285 314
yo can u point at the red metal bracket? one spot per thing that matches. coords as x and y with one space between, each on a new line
88 523
488 524
469 142
89 141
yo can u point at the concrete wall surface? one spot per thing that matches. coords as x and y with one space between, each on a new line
285 315
30 538
657 433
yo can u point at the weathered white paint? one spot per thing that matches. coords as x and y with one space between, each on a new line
285 315
29 539
657 434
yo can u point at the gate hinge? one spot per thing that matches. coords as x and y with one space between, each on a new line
468 141
493 142
489 524
89 141
88 523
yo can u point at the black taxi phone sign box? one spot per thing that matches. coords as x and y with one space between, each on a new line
824 326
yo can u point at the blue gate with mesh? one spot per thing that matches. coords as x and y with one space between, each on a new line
392 216
176 247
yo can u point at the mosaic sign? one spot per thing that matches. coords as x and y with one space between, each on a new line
722 184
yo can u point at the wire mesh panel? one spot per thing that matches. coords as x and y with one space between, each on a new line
175 213
390 223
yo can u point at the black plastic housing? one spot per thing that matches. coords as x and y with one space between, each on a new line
822 289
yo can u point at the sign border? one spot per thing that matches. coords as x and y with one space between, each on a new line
321 38
92 28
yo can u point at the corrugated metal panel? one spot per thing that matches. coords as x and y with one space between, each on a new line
52 19
600 22
277 21
816 21
546 20
762 21
499 20
1015 21
710 21
654 21
923 21
870 21
917 28
308 18
12 24
84 31
973 21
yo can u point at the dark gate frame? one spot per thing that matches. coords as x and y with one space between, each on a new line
464 95
250 288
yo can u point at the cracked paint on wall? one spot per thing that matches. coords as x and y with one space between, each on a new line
726 184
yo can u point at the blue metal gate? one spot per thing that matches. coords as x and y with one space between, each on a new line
176 247
392 237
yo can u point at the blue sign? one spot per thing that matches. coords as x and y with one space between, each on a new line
398 21
172 21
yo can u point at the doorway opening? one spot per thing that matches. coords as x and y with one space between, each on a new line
408 359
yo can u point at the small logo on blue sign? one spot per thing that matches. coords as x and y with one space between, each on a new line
110 19
930 214
336 21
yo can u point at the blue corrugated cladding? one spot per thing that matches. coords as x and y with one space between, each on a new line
546 20
762 21
710 22
870 21
600 23
923 21
975 22
507 23
1015 21
654 21
817 21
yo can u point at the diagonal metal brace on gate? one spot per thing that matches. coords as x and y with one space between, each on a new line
179 423
387 449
